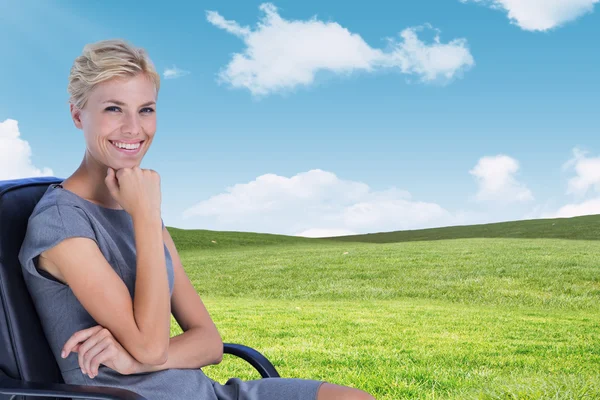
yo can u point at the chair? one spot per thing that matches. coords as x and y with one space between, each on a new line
27 365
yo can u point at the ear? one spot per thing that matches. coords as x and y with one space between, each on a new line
76 115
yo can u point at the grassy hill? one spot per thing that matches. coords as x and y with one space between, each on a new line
189 239
578 228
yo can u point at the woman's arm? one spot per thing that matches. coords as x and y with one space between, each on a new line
142 326
151 304
200 344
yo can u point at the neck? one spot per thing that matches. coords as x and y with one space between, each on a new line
88 182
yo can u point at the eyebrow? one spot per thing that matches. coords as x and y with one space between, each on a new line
122 104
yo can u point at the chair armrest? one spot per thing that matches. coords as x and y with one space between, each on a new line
17 387
256 359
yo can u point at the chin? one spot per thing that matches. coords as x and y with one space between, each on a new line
122 165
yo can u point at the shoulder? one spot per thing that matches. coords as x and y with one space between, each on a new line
54 219
55 208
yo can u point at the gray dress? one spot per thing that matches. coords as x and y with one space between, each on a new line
61 214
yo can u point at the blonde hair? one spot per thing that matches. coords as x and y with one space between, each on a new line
105 60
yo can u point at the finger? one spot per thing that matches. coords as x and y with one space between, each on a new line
88 350
78 337
124 171
92 354
85 348
107 353
102 343
112 183
90 342
154 174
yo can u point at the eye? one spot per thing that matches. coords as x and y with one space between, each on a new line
149 110
110 108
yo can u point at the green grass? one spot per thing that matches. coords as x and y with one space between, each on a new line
445 319
205 240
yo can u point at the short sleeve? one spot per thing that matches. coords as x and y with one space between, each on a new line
49 227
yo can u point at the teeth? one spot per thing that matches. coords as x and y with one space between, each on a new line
128 146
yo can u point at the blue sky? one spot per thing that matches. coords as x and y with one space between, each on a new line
322 118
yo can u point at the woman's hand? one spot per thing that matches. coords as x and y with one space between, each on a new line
136 190
96 345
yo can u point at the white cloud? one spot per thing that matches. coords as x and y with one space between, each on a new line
230 26
588 207
320 233
316 203
174 72
496 179
587 173
282 54
586 179
541 15
15 154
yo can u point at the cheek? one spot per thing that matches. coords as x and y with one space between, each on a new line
149 126
96 140
98 128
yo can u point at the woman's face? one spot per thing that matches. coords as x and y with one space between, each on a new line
119 121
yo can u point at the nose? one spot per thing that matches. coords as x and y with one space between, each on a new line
131 124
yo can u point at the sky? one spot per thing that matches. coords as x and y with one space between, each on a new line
330 118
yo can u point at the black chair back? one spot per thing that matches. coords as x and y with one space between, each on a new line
24 350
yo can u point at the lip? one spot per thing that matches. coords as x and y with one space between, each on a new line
127 151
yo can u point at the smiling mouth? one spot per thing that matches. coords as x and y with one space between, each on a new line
127 147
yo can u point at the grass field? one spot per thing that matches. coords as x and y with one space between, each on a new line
514 315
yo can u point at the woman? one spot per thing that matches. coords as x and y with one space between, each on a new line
103 270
